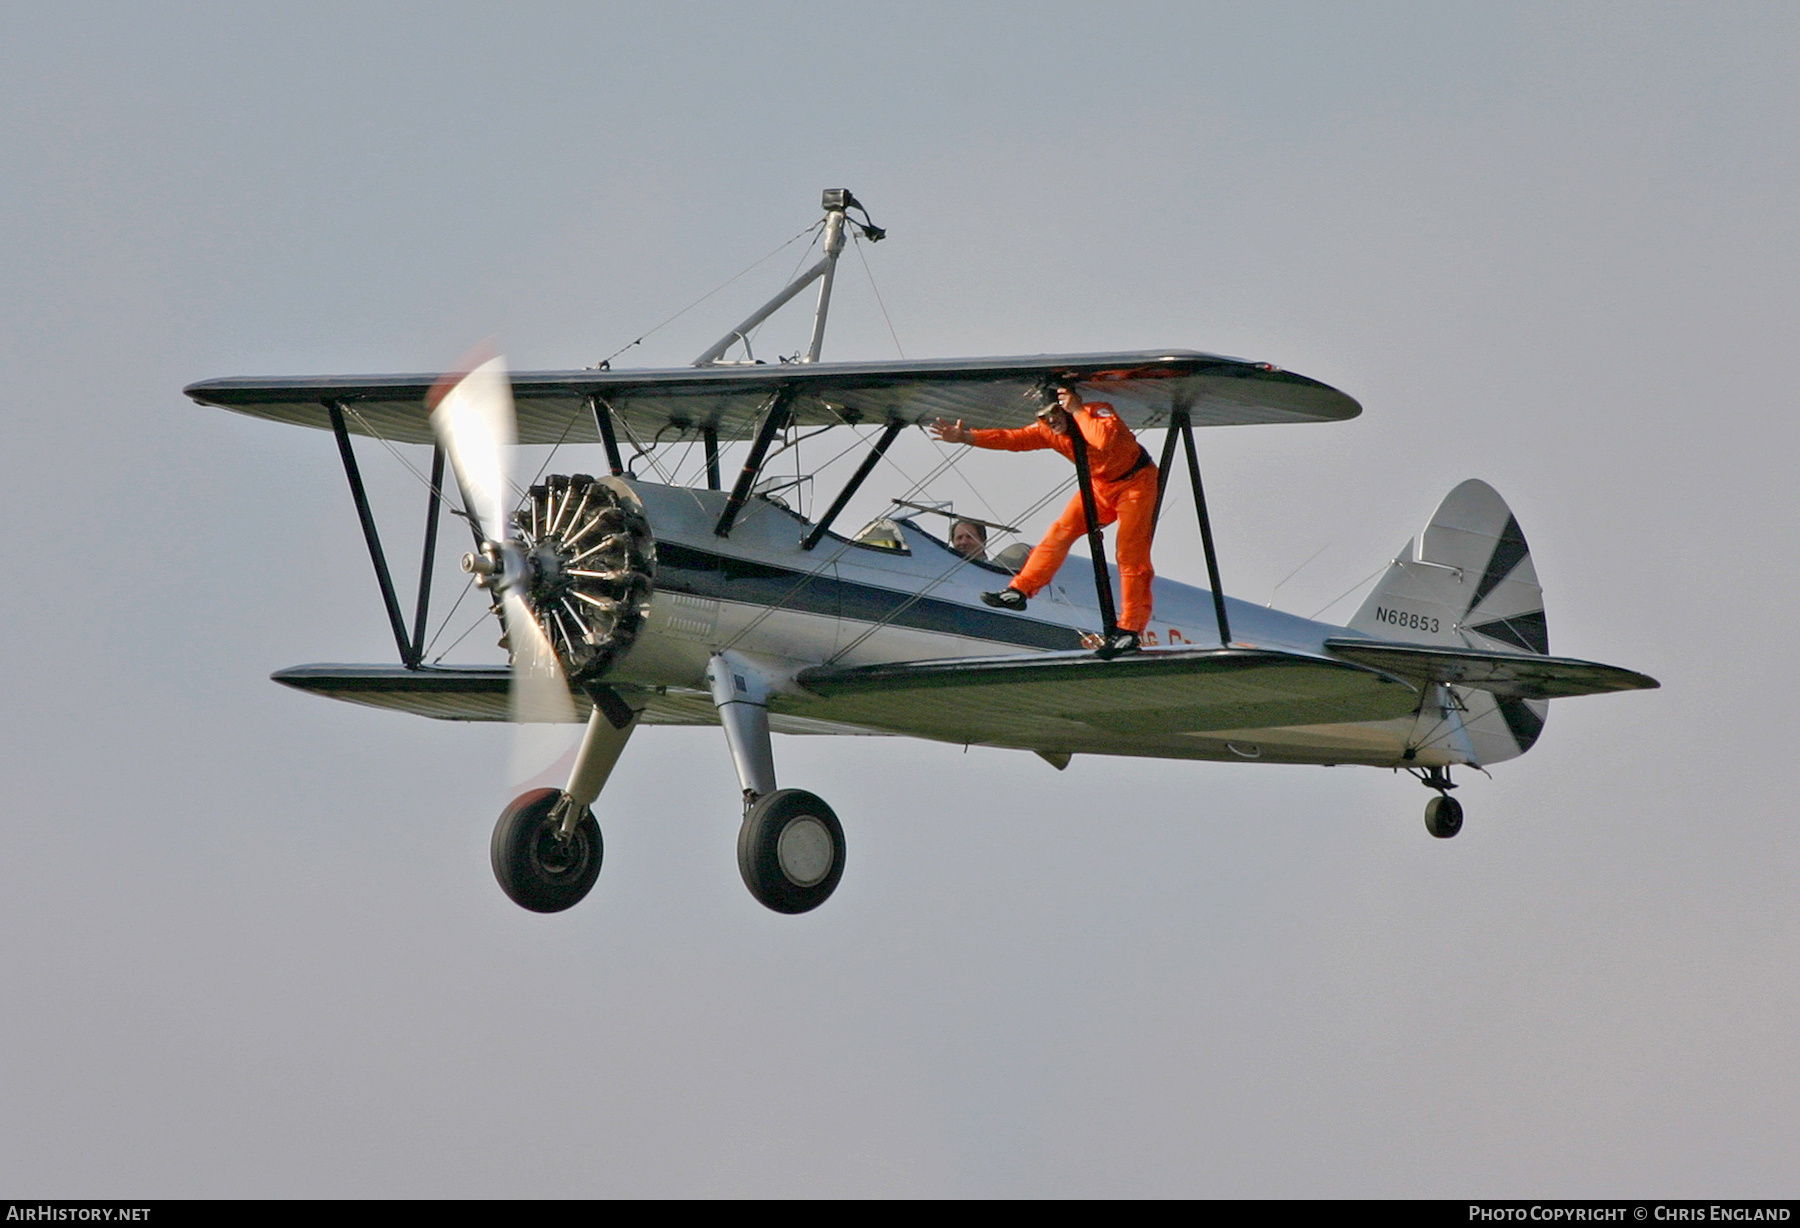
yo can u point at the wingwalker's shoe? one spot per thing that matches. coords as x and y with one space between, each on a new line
1117 644
1006 599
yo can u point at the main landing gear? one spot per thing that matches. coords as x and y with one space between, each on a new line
1443 813
546 848
791 846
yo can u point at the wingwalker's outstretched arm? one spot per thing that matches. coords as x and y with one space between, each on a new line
1119 482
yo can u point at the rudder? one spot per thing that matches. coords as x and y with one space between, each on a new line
1467 581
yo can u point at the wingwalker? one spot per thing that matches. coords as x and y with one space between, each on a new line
629 602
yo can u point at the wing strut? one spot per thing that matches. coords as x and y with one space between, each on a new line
431 527
1170 438
710 434
856 480
603 423
772 424
1096 544
410 646
1180 421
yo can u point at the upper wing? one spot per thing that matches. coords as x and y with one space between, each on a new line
1513 675
556 406
1158 703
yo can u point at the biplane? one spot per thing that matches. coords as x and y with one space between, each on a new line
627 602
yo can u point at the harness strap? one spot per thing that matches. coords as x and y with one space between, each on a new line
1143 460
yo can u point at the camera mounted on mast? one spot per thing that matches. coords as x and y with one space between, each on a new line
836 202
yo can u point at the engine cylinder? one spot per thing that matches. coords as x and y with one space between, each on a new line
590 561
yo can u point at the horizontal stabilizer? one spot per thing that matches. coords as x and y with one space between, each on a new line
1514 675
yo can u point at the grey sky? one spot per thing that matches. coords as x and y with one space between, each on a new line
249 941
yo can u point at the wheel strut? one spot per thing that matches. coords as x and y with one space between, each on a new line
1443 813
790 845
741 695
609 727
1437 778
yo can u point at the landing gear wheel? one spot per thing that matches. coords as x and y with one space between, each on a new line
791 851
536 867
1443 817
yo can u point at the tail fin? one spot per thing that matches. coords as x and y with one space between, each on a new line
1467 581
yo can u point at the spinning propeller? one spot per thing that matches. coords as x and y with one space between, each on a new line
474 420
571 571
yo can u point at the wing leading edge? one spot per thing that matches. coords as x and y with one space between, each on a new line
461 693
479 693
557 406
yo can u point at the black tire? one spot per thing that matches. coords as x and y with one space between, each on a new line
791 851
536 868
1443 817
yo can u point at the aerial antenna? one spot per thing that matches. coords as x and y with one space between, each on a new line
836 203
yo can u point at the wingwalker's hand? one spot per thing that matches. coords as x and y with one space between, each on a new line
952 432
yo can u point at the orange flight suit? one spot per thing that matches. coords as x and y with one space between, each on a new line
1125 482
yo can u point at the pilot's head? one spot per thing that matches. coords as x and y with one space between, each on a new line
969 539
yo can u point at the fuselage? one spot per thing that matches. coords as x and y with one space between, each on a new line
850 603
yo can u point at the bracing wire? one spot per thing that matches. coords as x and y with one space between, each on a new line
856 238
949 571
1270 603
459 639
953 462
1353 588
424 481
819 232
560 440
734 277
647 453
444 624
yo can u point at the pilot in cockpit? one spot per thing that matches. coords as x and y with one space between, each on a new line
969 539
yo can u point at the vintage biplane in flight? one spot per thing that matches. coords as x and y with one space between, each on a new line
629 602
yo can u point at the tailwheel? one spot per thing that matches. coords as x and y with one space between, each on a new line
791 851
1443 813
537 866
1443 816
